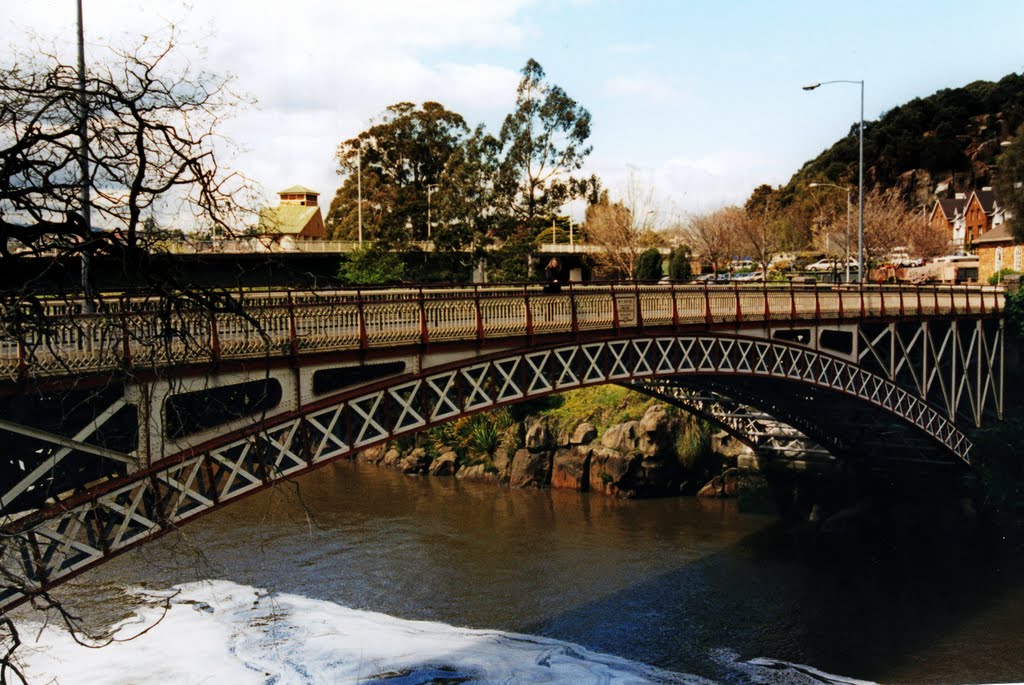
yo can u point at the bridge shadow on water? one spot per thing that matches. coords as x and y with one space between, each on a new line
686 585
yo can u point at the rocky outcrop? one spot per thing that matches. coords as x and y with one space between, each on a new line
538 436
612 472
570 469
477 472
584 434
416 461
723 485
530 469
630 459
445 465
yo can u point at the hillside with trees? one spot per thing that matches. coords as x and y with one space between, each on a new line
949 139
954 140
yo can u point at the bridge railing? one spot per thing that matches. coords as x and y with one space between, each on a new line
150 332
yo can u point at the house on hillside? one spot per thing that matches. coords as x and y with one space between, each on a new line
998 250
296 217
947 218
982 213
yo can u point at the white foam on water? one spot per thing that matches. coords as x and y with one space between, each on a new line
764 671
229 634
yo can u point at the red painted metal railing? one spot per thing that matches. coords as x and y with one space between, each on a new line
146 332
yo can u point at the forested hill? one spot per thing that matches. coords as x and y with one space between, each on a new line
952 136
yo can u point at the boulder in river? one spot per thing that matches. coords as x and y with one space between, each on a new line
530 469
445 465
570 468
584 434
538 436
722 485
414 462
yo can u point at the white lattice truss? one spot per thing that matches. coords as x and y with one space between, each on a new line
955 364
751 426
42 549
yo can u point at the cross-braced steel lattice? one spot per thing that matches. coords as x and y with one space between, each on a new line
43 548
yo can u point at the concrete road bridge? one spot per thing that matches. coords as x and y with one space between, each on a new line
122 425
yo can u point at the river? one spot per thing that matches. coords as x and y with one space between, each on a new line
664 590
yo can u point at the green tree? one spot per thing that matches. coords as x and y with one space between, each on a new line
464 206
679 267
371 265
648 265
397 162
543 141
1009 182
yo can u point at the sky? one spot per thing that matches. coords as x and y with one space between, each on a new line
699 99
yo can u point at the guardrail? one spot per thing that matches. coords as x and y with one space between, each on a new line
139 332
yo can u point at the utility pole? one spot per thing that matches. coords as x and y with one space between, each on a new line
359 188
88 305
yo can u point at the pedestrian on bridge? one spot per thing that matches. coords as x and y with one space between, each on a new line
553 276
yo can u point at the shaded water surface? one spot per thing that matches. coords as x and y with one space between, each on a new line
675 583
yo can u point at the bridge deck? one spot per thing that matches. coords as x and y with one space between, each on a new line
149 332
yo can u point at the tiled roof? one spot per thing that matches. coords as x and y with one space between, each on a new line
987 198
999 234
297 190
950 206
287 219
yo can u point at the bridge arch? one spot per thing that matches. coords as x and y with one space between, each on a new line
47 547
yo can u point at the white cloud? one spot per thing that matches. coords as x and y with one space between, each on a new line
642 86
320 71
682 185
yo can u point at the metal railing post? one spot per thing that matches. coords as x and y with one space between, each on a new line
615 308
424 329
675 306
364 342
707 306
292 330
126 348
639 310
479 313
572 309
529 311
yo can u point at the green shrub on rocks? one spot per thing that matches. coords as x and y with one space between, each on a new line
601 405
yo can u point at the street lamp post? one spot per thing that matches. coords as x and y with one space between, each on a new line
88 306
848 190
359 188
431 187
860 173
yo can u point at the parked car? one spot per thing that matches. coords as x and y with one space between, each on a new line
956 259
748 277
903 259
830 264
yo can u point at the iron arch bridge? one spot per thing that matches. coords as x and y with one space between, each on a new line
123 425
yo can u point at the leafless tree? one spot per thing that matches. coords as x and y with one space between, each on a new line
623 229
152 154
715 237
890 224
759 233
152 122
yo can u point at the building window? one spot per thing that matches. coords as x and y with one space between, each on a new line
1017 254
999 259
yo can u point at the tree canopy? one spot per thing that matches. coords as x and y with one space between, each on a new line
422 165
1009 182
151 122
394 165
543 141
